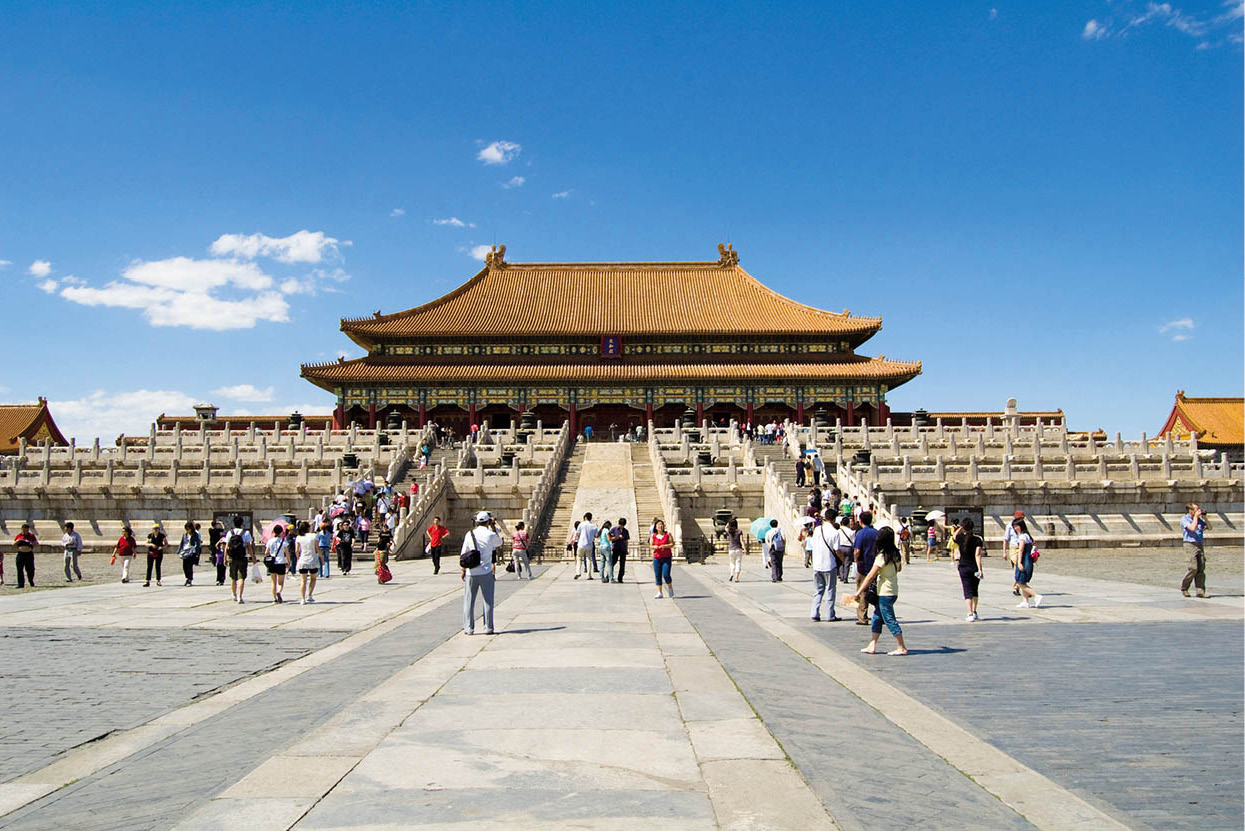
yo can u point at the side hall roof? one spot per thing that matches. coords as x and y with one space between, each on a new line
593 299
1218 420
32 421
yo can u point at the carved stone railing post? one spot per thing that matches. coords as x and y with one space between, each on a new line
973 474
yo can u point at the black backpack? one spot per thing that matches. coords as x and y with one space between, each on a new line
236 547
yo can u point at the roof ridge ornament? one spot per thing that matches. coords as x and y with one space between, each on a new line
727 256
495 258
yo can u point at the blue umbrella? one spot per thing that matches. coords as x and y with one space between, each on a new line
759 527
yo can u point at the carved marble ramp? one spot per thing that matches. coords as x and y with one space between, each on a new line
606 487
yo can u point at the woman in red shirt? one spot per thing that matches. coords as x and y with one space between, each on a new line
125 550
663 545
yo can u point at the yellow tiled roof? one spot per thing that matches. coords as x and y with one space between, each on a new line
376 370
17 420
576 299
1218 420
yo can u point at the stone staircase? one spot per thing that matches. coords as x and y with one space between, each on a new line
549 542
647 503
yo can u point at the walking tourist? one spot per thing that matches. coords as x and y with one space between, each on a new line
155 552
799 473
971 549
239 550
844 544
734 549
885 571
476 561
24 543
1011 544
931 540
345 545
277 560
905 539
776 545
519 542
621 540
365 528
125 549
1192 533
1024 566
307 550
865 549
71 543
216 536
436 539
819 469
586 545
324 542
572 541
189 550
605 548
825 570
662 544
806 535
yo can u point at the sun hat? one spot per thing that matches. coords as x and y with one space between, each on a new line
483 517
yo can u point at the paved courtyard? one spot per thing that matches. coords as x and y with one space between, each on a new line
1116 705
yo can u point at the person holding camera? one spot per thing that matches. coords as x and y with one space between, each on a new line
1192 529
476 561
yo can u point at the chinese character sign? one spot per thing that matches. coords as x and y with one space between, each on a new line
611 346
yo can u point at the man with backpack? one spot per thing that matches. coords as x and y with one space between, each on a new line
776 545
239 551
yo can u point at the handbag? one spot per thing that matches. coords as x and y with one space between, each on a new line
383 575
470 560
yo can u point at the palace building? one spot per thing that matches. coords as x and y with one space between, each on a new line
610 343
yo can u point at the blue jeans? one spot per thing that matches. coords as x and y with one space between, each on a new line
885 611
484 585
825 585
661 569
324 562
607 565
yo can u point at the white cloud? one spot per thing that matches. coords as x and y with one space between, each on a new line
48 286
455 222
108 415
515 182
245 393
40 268
478 252
4 263
1094 30
563 194
1179 328
499 152
398 212
300 247
994 13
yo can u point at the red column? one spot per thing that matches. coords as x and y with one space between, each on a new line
851 413
339 418
648 414
884 412
750 413
471 415
521 409
371 416
799 412
423 414
700 413
574 421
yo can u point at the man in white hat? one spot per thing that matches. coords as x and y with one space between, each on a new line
476 562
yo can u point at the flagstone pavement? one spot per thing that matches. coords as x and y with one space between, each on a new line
598 706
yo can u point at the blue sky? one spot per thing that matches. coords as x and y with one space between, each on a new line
1043 200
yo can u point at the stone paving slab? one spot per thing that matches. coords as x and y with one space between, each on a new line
64 687
841 745
162 784
1146 718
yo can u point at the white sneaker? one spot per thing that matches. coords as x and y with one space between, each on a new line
969 618
1023 605
1037 602
302 602
658 595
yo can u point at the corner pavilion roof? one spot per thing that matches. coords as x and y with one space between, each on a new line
1218 420
591 299
28 420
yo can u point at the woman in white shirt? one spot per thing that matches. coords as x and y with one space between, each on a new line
277 561
308 563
